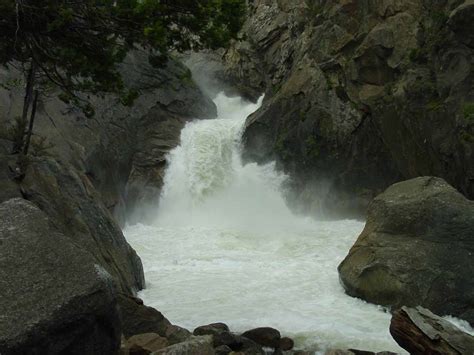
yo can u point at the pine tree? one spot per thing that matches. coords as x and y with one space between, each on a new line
76 45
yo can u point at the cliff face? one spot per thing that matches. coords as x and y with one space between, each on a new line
82 170
359 94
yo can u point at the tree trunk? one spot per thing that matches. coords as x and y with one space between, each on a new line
30 82
31 123
419 331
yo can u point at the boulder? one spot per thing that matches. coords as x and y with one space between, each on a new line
201 345
416 249
70 200
419 331
264 336
286 344
55 296
144 344
138 318
222 350
176 334
210 329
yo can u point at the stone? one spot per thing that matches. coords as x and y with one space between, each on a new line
56 298
222 350
265 336
201 345
176 334
419 331
210 329
404 255
70 200
286 344
144 344
138 318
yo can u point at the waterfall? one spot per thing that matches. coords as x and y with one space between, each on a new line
225 247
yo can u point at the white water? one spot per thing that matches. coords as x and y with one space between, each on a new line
224 247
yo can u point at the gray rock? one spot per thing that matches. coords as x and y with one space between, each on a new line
416 249
55 297
144 344
210 329
359 95
176 334
138 318
72 203
201 345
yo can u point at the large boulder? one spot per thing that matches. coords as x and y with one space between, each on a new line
416 248
74 206
55 297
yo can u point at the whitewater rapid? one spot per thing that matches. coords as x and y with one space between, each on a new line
225 247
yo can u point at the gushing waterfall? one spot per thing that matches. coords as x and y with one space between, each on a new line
225 247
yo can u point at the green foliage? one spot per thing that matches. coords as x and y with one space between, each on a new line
468 111
312 148
77 44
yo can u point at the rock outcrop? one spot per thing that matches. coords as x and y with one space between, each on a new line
55 298
359 94
416 248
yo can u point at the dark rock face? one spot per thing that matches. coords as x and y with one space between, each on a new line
416 249
55 297
139 319
359 95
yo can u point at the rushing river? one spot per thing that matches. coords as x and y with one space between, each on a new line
225 247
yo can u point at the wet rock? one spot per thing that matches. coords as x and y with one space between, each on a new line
264 336
286 343
176 334
56 298
144 344
222 350
404 255
139 319
201 345
419 331
211 329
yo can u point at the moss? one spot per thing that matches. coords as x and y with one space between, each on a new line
312 148
435 105
418 55
468 111
466 137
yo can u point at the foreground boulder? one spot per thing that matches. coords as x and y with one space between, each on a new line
416 249
55 298
419 331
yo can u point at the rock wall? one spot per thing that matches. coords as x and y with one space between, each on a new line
359 94
121 149
82 170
